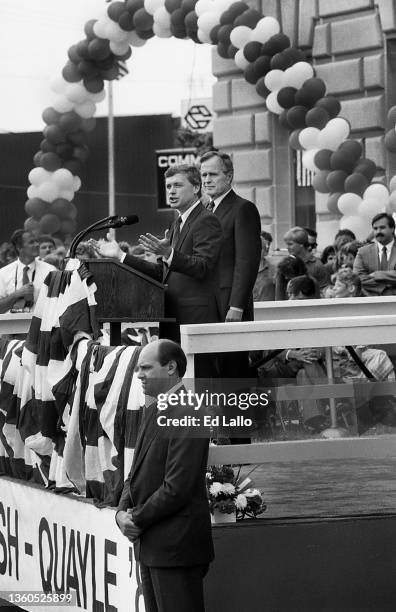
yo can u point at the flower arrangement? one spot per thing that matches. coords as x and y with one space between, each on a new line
228 493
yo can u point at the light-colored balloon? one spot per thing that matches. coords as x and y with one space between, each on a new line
377 191
64 179
204 37
240 36
119 48
392 201
161 31
308 158
341 125
86 110
162 18
135 40
76 93
114 33
207 21
76 183
48 191
296 75
308 138
204 6
370 207
153 5
100 27
349 203
37 176
62 104
241 60
274 80
97 97
58 84
273 104
32 192
360 226
392 184
336 131
265 28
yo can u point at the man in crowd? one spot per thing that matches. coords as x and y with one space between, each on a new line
240 251
264 287
187 256
375 263
312 239
163 508
46 245
21 280
297 244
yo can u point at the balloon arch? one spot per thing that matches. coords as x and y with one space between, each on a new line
280 73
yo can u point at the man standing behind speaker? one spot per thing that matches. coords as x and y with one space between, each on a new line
240 252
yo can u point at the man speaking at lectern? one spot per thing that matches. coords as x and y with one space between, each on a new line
186 256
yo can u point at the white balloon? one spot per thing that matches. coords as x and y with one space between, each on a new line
58 84
100 27
64 179
341 126
161 31
152 5
76 93
32 192
308 159
204 37
360 226
273 104
349 204
370 207
265 29
62 104
207 21
86 110
119 48
203 6
241 60
308 138
114 33
377 191
162 18
97 97
335 132
135 40
48 191
76 183
392 184
297 74
274 80
240 36
37 176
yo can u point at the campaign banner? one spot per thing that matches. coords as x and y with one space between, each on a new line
63 553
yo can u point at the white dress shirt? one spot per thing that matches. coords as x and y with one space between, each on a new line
12 274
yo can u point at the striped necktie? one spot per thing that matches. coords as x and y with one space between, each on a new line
176 232
211 205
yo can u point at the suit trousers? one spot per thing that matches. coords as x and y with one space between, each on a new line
173 589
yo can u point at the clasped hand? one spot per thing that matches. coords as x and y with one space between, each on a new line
127 526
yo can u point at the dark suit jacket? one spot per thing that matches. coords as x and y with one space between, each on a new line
367 261
240 253
167 492
191 277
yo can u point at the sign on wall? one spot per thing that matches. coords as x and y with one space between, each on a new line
61 552
197 114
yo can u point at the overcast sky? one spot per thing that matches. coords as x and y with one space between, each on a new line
35 36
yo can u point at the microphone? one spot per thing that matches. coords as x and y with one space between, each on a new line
119 222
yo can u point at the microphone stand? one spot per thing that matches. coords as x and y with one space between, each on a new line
97 226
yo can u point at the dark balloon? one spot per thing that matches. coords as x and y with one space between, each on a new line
65 151
286 97
94 85
331 104
312 90
37 158
54 134
143 20
47 147
82 49
237 8
366 167
276 44
231 51
336 179
70 122
352 147
319 181
71 73
281 61
74 166
317 117
322 159
51 161
99 49
177 18
50 115
73 54
172 5
249 18
35 207
356 183
226 18
188 5
261 89
341 160
115 10
134 5
391 116
252 50
125 21
390 140
60 207
76 138
283 122
332 202
88 29
251 75
222 50
87 68
294 140
191 19
213 33
224 34
262 65
296 116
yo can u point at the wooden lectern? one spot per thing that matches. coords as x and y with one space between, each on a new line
125 294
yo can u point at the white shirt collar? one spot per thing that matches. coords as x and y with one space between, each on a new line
388 248
187 213
31 266
220 198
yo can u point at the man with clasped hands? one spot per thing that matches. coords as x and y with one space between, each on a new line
164 508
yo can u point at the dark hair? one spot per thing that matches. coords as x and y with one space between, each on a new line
345 232
171 351
290 267
223 157
305 285
191 172
46 238
326 253
17 239
383 215
351 248
311 232
267 236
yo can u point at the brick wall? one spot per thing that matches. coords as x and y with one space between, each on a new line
347 38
